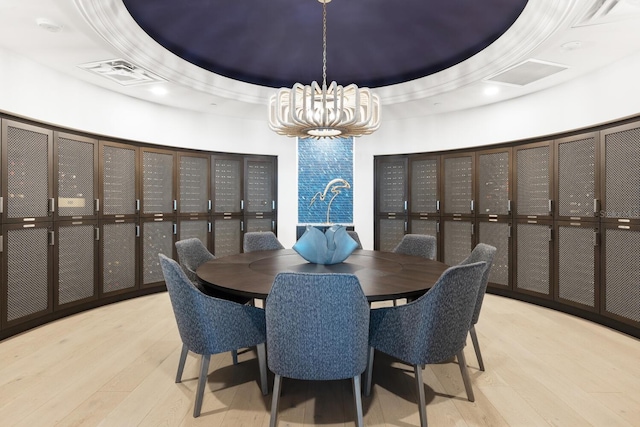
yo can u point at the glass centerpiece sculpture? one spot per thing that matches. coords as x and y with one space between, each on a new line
331 247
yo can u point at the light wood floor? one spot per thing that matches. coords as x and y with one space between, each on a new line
115 366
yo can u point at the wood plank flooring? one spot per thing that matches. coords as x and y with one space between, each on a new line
116 365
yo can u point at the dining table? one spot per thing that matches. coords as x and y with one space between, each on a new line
382 275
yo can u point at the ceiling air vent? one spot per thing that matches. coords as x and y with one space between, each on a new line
121 72
526 72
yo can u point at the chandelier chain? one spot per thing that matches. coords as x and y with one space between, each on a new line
324 44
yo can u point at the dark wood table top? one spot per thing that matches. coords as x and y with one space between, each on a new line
382 275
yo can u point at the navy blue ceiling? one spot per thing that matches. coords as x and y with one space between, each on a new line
369 42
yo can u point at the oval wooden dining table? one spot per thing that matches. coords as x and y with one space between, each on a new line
382 275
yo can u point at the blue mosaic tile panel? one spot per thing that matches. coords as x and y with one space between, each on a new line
325 181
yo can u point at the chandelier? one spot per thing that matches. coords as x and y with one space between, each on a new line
314 111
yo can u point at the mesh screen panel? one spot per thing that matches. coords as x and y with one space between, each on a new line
497 234
119 181
193 185
424 186
392 183
457 241
622 278
75 177
533 258
27 173
259 191
457 185
27 272
622 174
157 183
258 224
576 177
75 263
227 240
158 239
119 256
194 228
391 232
493 173
425 226
576 261
533 181
227 182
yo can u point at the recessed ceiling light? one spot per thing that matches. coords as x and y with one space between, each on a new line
491 90
159 90
574 45
48 25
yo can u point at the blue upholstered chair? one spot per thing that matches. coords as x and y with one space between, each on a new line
192 254
431 329
354 236
486 253
317 329
260 241
417 244
209 325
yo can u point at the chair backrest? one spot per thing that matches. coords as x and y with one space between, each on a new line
317 326
354 236
209 325
445 314
192 254
486 253
260 241
417 244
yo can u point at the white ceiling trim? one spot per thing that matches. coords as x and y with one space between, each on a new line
540 20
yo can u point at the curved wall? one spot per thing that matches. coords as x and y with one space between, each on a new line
32 91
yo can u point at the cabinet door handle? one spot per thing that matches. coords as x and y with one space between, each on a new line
96 234
241 205
138 205
52 238
137 231
96 205
175 205
52 205
209 205
438 205
209 226
472 206
175 229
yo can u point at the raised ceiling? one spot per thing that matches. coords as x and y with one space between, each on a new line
253 46
371 43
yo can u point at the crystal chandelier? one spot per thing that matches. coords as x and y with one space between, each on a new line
312 111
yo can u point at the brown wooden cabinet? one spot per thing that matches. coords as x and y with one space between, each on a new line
563 213
82 220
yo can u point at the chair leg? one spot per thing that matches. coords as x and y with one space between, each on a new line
234 356
369 373
358 401
465 375
274 400
183 359
422 406
262 362
202 380
476 346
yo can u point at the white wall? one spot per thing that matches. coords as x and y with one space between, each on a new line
32 91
